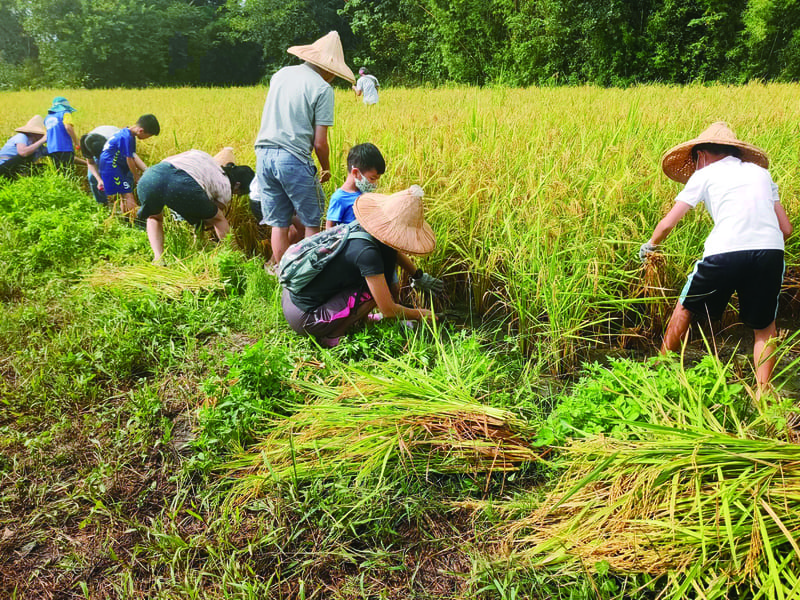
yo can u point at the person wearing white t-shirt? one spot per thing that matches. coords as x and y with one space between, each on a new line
367 86
744 251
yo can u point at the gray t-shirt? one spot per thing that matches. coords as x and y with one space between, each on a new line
298 100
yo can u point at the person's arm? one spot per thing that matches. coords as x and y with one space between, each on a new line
71 131
136 165
668 223
330 224
405 263
386 304
783 220
92 168
24 150
322 151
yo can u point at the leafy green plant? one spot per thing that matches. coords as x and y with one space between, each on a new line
608 400
241 402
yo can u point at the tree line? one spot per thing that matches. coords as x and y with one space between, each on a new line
108 43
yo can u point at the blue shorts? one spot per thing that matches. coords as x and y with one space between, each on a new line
117 181
755 275
288 186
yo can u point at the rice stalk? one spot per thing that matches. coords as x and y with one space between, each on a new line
705 511
389 422
197 275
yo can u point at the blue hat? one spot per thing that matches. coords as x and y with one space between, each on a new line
61 104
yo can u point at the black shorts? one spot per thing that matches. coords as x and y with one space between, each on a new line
755 275
164 185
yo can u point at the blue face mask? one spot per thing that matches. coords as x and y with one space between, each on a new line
365 186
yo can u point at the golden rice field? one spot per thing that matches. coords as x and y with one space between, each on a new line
540 198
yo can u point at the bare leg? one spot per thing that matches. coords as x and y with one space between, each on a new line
280 242
764 354
311 231
155 234
128 203
677 328
220 225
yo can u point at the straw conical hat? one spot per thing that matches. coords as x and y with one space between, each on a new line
224 156
35 125
326 53
397 220
677 162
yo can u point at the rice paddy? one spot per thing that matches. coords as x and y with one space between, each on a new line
163 434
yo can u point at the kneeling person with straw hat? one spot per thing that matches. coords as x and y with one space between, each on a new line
357 279
23 148
744 251
194 185
295 121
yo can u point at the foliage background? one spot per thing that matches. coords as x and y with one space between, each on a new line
113 43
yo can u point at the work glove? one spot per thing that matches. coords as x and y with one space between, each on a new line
427 283
646 250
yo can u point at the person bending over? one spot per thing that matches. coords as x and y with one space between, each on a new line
195 185
91 145
744 251
119 165
23 148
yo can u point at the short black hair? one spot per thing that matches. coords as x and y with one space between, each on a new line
716 149
149 123
365 157
92 145
243 175
84 149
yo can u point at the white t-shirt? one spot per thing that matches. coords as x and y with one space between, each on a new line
740 198
107 131
368 84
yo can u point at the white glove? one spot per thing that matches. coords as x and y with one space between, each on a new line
646 250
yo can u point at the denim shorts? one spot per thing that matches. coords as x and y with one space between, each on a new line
288 185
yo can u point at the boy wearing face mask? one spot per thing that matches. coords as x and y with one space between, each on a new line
365 165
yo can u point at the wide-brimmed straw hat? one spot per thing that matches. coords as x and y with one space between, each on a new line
326 53
677 162
397 220
60 103
34 126
224 156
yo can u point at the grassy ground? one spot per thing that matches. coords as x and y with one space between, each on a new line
164 435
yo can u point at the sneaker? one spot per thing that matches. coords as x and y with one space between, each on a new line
375 317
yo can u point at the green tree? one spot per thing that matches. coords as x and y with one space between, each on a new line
386 26
770 47
277 24
693 39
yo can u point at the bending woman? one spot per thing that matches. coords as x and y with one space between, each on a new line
358 278
22 149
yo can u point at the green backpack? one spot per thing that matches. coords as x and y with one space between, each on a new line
306 259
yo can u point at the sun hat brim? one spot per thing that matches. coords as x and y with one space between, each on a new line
34 126
677 162
325 53
371 212
225 156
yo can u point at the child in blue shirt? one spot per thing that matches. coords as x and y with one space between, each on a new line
61 137
119 165
365 165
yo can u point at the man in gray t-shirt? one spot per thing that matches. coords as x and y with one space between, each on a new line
295 121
